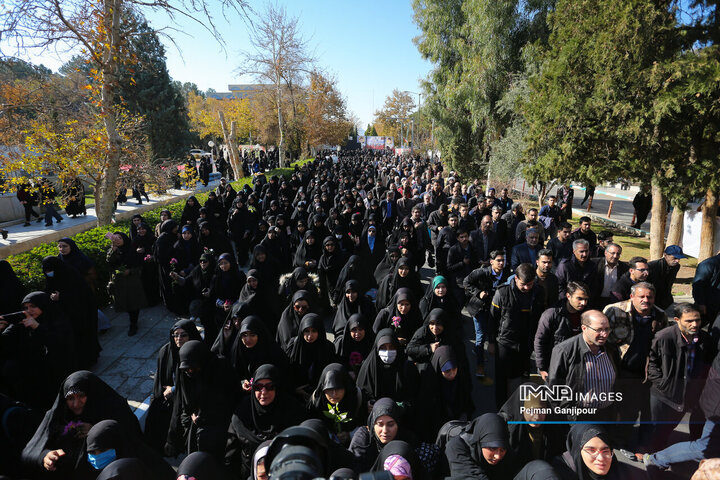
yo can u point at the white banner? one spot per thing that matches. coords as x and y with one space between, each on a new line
692 225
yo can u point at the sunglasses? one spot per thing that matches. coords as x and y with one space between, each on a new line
268 387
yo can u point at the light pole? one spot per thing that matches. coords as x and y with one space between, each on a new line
412 147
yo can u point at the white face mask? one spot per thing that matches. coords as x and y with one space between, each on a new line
50 274
387 356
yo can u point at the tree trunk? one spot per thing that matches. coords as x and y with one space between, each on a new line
676 225
707 232
230 144
281 143
235 157
106 191
657 221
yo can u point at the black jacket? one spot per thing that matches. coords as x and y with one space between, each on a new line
709 398
599 282
571 271
482 280
667 367
554 328
457 269
662 276
476 238
514 316
567 365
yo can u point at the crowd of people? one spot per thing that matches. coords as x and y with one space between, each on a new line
332 302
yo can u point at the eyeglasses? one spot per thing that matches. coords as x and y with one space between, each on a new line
180 335
595 452
599 330
268 387
641 269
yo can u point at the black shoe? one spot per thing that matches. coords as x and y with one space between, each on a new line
38 220
48 224
59 220
26 224
132 330
4 234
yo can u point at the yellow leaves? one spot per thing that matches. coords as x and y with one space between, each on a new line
88 87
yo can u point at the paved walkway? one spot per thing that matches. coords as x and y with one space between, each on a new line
21 239
622 209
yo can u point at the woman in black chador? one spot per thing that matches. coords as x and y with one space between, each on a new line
82 401
158 416
353 301
77 302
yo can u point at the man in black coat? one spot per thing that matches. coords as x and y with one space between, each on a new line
679 362
561 245
558 324
500 227
480 286
389 210
445 239
579 268
662 274
526 252
638 272
513 219
587 354
608 270
514 314
461 260
585 233
484 240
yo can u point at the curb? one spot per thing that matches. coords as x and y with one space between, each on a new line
142 410
607 194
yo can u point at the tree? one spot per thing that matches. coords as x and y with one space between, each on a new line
476 49
395 115
327 118
279 56
96 27
370 131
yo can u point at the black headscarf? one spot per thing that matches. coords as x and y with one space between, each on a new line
126 469
305 252
127 256
190 213
351 353
227 285
409 322
307 360
273 418
486 431
392 283
335 376
168 357
200 465
537 470
355 269
144 241
56 431
245 360
346 308
387 265
76 258
396 380
404 450
577 438
431 301
109 434
290 319
12 288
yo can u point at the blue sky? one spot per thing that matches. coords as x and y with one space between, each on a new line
366 45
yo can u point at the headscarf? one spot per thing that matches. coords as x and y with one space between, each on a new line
376 379
487 431
246 360
308 359
260 454
408 323
399 456
336 376
276 416
168 358
200 465
577 438
352 353
537 470
126 469
290 319
76 258
346 308
12 288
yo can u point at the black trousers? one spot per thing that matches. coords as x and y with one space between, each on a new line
29 211
510 363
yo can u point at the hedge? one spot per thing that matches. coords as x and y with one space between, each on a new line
28 265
